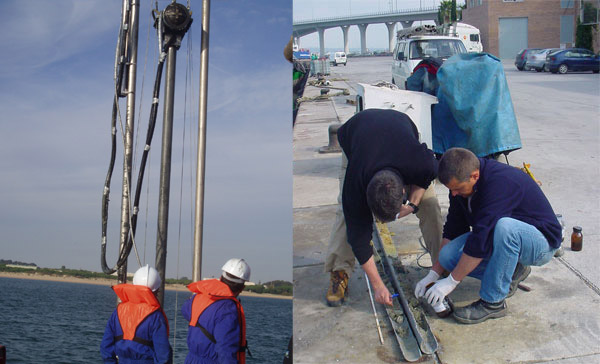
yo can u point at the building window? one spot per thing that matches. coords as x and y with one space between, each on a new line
567 4
512 1
567 25
480 2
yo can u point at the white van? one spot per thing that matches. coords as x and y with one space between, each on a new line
339 58
410 50
468 34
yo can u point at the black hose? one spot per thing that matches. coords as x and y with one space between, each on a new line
121 66
106 192
124 253
140 180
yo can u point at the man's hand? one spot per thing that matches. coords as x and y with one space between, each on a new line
382 295
405 210
435 295
431 277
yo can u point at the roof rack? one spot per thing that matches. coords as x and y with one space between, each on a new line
425 29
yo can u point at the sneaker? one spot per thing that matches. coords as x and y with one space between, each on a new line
337 288
480 311
521 272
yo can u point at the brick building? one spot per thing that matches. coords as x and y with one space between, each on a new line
508 26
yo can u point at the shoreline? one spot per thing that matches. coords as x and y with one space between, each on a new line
110 282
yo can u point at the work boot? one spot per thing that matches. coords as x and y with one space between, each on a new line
521 272
480 311
337 288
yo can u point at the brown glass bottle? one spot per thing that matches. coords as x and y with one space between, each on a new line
576 239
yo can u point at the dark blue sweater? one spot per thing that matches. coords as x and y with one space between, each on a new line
376 139
501 191
221 320
153 328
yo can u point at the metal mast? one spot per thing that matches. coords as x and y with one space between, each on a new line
176 20
203 94
132 42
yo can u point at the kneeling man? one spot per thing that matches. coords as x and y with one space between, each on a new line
499 223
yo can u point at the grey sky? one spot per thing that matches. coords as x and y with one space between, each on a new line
56 99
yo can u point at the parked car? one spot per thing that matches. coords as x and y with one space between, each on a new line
522 57
411 50
536 60
339 58
572 59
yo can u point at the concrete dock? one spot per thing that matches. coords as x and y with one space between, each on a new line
558 321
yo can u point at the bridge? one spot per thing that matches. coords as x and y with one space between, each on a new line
404 17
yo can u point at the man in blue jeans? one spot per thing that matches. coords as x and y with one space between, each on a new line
499 223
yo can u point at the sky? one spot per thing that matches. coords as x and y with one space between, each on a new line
56 92
377 34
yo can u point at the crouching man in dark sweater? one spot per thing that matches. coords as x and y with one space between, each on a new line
499 223
382 160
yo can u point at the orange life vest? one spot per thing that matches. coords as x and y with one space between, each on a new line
137 303
210 291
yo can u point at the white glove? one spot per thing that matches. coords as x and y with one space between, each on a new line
431 277
441 289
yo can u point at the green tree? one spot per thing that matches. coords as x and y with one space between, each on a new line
453 11
590 13
444 11
448 12
583 36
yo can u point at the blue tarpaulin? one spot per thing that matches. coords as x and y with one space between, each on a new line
475 110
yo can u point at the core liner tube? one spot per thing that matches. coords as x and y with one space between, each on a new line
425 347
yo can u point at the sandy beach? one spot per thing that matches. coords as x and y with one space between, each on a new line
110 282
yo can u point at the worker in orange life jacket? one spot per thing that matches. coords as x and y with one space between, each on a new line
217 325
138 330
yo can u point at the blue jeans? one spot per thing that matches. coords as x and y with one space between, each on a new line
514 241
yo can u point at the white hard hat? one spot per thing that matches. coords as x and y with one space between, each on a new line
238 269
147 276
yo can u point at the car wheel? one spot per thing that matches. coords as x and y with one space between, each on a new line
563 69
344 65
520 68
393 81
539 69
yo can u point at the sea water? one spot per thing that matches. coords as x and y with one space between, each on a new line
60 322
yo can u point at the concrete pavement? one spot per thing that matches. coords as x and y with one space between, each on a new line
558 321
